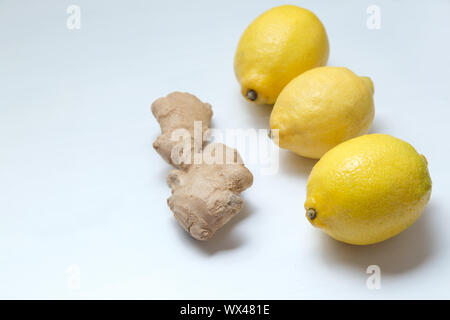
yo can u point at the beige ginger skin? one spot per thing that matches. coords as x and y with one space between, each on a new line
206 196
179 111
205 193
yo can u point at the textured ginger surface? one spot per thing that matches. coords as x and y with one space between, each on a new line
207 196
179 111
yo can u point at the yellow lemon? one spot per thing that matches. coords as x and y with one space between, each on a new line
277 46
322 108
368 189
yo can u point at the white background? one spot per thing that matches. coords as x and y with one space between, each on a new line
81 187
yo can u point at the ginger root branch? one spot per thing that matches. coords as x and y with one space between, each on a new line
205 193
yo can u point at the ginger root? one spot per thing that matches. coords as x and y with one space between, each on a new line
207 196
180 111
205 193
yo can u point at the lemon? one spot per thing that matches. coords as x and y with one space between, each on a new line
322 108
368 189
277 46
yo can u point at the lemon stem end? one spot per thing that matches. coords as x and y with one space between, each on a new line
252 95
311 213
